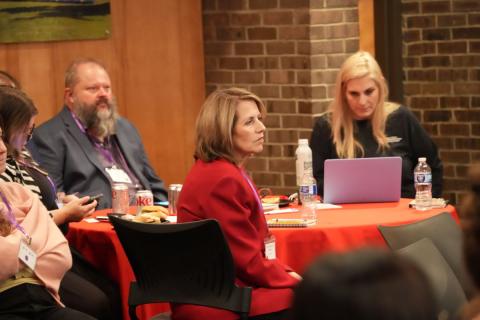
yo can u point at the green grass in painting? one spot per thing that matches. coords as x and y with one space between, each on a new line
21 27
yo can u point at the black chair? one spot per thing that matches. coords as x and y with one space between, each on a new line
448 292
181 263
444 232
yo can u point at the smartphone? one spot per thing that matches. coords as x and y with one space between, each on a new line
95 197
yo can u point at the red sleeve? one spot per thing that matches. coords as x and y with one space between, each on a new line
233 204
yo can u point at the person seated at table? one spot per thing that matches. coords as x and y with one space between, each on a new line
82 288
88 147
229 130
470 221
364 284
35 256
361 122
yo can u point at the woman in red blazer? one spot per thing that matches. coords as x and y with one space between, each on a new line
229 131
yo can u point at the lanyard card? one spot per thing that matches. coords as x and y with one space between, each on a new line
118 175
270 252
27 255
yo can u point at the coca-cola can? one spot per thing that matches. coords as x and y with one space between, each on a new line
120 198
143 198
173 193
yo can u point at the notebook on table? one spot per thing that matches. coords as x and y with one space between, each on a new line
362 180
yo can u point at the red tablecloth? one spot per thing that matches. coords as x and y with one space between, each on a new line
352 226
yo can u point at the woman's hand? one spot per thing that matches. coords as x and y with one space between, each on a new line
63 198
75 209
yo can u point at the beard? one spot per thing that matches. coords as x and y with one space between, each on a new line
99 122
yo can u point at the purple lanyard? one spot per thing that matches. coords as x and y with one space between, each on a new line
107 154
259 202
104 151
14 221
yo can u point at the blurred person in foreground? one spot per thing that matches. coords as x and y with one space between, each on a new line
229 130
88 147
365 284
470 221
83 287
35 256
361 122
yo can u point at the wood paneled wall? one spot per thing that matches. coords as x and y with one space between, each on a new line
155 60
366 23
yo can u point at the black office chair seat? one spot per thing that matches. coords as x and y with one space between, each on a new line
187 263
445 234
449 294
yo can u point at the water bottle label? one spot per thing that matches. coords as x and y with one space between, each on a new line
307 165
311 190
423 178
301 167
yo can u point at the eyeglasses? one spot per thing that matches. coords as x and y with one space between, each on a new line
29 133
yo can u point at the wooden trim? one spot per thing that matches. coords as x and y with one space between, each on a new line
366 22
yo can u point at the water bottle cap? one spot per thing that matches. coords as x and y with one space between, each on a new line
422 159
303 141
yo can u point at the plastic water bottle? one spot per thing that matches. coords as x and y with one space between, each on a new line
307 195
423 185
303 161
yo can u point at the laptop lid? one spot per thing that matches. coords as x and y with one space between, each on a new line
362 180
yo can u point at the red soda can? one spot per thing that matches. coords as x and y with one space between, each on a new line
143 198
120 198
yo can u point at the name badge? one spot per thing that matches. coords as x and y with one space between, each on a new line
118 175
27 255
270 252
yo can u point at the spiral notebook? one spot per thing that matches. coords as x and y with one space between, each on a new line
289 223
362 180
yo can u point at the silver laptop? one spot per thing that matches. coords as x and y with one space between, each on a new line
362 180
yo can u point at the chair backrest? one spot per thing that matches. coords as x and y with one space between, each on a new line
181 263
444 232
448 292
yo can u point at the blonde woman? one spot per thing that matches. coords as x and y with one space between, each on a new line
361 122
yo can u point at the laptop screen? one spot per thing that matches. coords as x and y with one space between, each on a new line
362 180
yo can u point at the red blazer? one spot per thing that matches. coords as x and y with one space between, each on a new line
219 190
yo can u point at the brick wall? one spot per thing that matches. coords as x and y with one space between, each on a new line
442 80
286 51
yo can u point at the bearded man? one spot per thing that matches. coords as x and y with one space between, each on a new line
87 147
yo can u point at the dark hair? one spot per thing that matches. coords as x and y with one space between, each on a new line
16 110
364 284
470 214
9 79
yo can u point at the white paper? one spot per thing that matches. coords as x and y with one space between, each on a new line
326 206
172 219
286 210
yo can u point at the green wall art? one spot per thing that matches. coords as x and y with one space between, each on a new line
54 20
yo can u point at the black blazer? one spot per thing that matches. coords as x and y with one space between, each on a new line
71 160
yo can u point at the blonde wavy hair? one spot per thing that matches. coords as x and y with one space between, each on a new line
359 65
215 123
